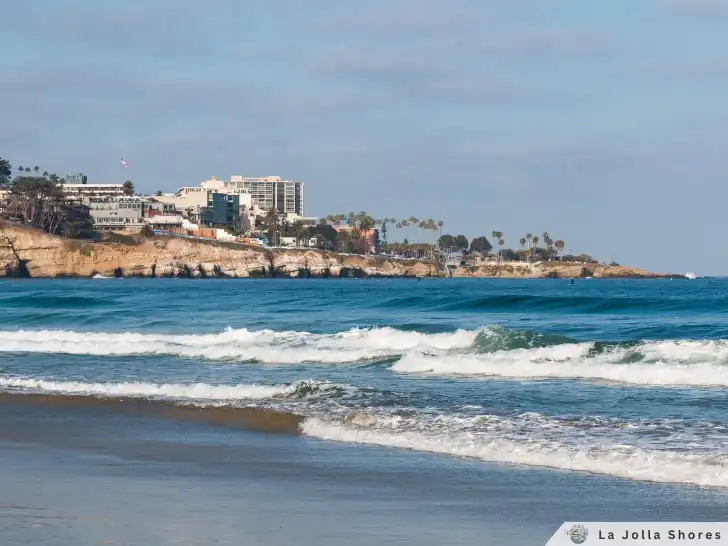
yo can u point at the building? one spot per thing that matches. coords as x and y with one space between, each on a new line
368 239
155 207
81 192
267 192
165 223
116 213
307 221
222 209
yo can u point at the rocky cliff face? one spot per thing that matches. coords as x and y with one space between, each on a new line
25 252
30 253
556 270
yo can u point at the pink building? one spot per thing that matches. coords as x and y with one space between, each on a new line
368 241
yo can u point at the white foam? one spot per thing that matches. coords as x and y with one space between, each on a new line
175 391
675 363
240 344
590 452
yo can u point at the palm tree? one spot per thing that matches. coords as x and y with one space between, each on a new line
36 169
534 246
523 242
298 231
440 223
27 169
21 169
45 173
366 224
128 187
548 241
498 237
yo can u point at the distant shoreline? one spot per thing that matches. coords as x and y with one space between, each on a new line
28 253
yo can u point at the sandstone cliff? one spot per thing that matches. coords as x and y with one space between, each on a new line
30 253
26 252
558 270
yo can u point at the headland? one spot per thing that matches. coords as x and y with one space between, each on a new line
27 252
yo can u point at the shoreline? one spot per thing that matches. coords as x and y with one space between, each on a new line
27 253
186 482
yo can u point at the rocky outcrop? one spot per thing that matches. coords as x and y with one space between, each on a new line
30 253
555 270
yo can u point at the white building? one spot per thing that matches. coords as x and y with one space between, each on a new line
116 213
81 191
267 192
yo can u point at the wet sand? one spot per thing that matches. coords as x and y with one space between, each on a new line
94 473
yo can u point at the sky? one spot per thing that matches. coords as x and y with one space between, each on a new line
602 123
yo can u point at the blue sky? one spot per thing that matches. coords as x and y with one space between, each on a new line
600 122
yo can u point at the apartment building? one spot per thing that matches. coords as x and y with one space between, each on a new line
84 191
116 213
267 192
221 209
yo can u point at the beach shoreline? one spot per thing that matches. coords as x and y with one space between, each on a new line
67 468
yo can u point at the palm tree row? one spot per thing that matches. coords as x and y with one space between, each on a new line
361 222
530 242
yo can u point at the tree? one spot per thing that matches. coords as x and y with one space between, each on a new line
498 237
159 192
27 169
272 220
36 169
534 244
39 202
21 169
460 242
128 187
6 171
241 225
325 235
299 232
366 225
548 242
559 245
480 244
446 241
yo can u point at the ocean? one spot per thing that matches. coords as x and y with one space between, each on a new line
358 411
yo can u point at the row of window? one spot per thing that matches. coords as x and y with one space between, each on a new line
116 220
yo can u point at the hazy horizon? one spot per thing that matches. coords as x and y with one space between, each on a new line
599 123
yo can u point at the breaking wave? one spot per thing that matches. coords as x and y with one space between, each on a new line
639 450
265 346
666 363
493 352
174 391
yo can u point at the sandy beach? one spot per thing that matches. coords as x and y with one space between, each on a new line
90 475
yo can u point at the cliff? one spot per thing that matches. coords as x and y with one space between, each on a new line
558 270
30 253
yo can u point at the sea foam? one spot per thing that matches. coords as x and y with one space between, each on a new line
170 391
240 344
602 450
667 363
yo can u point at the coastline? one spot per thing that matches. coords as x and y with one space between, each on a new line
183 482
28 253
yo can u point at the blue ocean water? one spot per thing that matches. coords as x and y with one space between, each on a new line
625 378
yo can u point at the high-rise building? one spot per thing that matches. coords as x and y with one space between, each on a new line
267 192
